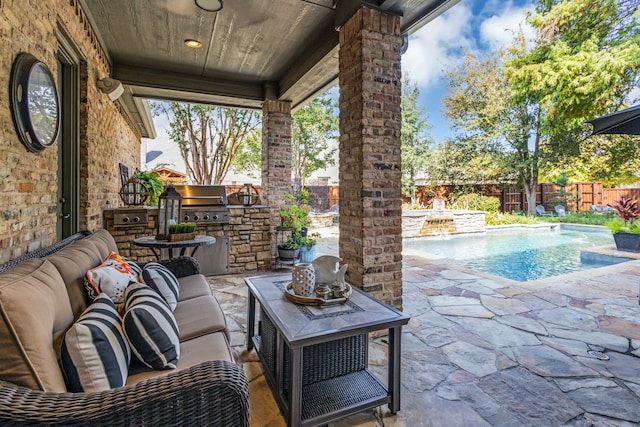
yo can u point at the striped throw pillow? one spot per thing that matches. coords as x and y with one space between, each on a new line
163 281
150 327
95 354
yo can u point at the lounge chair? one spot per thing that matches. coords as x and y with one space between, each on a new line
560 210
542 212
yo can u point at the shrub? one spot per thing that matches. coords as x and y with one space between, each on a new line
499 218
477 202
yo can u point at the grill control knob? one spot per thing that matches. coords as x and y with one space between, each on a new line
186 217
125 219
196 218
136 219
215 217
206 217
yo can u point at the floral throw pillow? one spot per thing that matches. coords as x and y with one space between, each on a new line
111 277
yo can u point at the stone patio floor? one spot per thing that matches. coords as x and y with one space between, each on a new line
486 351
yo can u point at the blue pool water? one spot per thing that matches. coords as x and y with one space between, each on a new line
517 254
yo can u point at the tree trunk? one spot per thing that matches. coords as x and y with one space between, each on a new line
531 193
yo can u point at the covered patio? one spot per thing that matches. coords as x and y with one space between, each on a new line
273 56
478 351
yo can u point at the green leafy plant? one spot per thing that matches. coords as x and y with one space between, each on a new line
183 227
309 241
293 214
302 197
293 241
154 184
626 212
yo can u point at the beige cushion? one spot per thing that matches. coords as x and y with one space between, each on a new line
103 241
34 314
192 352
22 269
199 316
73 262
193 286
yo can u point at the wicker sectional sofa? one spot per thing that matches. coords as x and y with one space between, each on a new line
41 295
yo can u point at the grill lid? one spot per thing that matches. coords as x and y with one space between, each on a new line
202 195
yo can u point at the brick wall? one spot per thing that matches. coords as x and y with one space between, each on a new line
370 173
28 181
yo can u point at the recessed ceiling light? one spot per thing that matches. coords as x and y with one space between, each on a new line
209 5
195 44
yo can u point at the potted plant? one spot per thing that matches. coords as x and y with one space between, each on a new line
626 232
182 231
308 247
294 214
290 248
154 184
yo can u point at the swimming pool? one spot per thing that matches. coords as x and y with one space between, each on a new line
520 254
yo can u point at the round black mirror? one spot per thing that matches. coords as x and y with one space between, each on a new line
35 107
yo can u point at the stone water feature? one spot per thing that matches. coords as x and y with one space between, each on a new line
428 222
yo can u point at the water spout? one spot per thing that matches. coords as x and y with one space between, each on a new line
440 226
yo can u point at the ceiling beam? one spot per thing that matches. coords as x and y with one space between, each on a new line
168 81
324 52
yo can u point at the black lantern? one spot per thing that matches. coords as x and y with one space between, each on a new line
169 211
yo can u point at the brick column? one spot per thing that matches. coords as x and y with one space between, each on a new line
370 173
276 160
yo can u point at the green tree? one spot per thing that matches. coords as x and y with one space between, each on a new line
248 158
498 139
208 136
415 141
464 161
312 127
584 62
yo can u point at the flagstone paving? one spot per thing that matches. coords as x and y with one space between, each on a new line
485 351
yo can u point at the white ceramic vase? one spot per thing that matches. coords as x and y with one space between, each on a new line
303 279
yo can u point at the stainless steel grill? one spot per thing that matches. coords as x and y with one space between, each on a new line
204 204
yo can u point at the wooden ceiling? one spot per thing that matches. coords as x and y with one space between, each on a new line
252 49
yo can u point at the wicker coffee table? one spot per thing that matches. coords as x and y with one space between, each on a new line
315 358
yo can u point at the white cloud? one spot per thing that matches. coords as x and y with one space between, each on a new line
438 45
499 29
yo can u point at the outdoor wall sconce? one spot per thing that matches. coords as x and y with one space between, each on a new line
35 107
209 5
112 87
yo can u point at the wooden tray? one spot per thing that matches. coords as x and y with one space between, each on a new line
312 300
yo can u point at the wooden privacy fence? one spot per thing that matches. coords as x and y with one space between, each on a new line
575 197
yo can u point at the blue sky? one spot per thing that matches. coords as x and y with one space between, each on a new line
471 26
